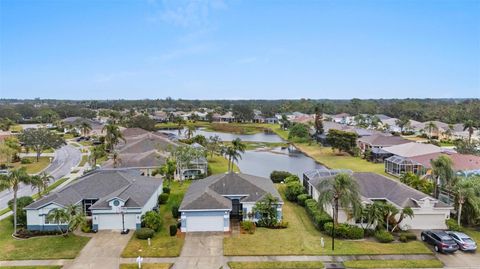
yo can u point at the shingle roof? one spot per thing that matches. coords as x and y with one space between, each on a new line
383 140
146 159
102 184
208 193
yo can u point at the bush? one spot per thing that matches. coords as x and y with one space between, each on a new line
383 236
166 190
152 220
302 198
248 226
21 214
407 236
292 178
369 232
317 215
345 231
279 176
25 161
173 230
163 198
175 212
453 225
144 233
293 190
403 238
87 226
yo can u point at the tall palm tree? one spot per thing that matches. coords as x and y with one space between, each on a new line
234 152
85 128
58 216
405 212
13 181
40 182
113 135
190 131
470 126
449 132
430 127
96 153
442 173
467 191
340 191
116 159
180 124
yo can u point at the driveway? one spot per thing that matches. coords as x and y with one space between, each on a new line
102 251
201 251
460 259
65 158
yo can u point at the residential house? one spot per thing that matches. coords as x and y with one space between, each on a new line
211 203
429 213
112 199
378 141
461 163
343 118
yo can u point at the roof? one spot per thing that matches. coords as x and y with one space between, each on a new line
461 162
128 185
131 132
383 140
208 193
373 186
146 142
412 149
382 117
151 158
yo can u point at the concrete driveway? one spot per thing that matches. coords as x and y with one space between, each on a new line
102 251
460 259
201 251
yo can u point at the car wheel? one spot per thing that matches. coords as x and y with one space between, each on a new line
436 249
423 237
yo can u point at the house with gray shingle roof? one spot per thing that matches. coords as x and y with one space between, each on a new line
429 213
111 198
210 203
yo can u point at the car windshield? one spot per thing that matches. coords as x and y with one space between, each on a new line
468 240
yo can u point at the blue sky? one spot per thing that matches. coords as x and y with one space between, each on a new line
261 49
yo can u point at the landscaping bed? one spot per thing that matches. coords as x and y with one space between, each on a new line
394 264
274 265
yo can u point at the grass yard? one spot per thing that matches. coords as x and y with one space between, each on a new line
16 128
475 234
274 265
84 160
146 265
162 244
33 267
173 125
34 167
39 248
394 264
301 238
4 211
219 164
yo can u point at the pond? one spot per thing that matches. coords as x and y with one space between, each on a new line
262 161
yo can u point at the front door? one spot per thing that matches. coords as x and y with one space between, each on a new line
236 209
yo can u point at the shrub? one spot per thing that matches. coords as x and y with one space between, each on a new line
403 238
279 176
248 226
163 198
87 226
152 220
302 198
21 214
173 230
343 230
453 225
292 178
25 161
166 190
407 236
293 190
175 212
383 236
317 215
144 233
369 232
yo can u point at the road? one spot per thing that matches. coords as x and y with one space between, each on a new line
65 158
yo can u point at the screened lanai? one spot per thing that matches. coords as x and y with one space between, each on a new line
397 166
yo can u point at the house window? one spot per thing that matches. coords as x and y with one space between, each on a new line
116 203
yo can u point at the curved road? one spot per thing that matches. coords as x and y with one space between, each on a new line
65 158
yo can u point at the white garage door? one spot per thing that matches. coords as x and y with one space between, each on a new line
204 223
436 221
114 221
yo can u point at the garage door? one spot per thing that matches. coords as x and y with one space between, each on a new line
436 221
114 221
204 223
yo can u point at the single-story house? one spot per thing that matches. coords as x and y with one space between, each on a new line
429 213
461 163
211 203
379 141
108 197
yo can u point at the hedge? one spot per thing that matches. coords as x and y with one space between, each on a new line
302 198
279 176
144 233
453 225
163 198
317 215
293 190
383 236
345 231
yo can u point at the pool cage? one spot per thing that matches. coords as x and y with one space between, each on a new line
397 166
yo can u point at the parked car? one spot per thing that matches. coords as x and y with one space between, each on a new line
463 241
441 241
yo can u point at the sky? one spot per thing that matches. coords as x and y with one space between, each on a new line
261 49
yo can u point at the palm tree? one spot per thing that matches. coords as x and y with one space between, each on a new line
13 181
405 212
76 217
403 123
430 127
116 159
85 128
234 152
449 132
40 182
58 216
470 126
190 131
341 190
467 191
213 144
113 135
180 123
373 214
442 173
97 153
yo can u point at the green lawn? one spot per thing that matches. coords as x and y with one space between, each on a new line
274 265
219 164
257 145
33 267
173 125
394 264
475 234
146 265
39 248
84 160
301 238
16 128
162 244
5 210
34 167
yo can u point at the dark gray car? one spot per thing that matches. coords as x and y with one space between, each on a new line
441 241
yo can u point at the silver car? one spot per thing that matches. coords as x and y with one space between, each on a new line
463 241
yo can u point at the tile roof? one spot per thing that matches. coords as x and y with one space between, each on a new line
412 149
461 162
